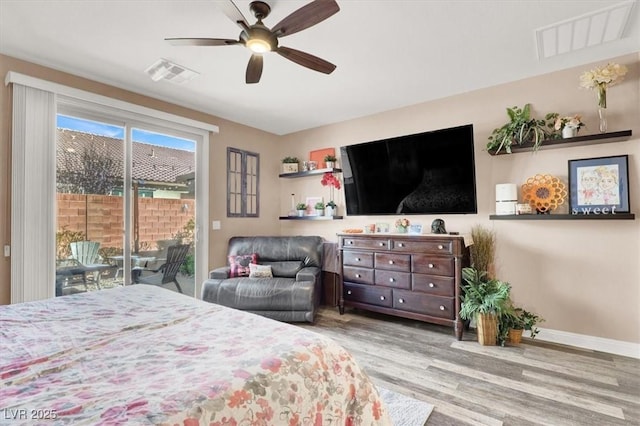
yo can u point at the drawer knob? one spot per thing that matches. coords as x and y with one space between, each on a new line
401 300
357 259
391 280
440 246
381 297
381 244
348 291
431 285
391 262
400 245
350 242
441 308
431 265
357 275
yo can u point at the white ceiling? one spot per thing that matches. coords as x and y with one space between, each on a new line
389 53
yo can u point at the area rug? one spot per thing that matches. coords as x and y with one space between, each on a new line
403 410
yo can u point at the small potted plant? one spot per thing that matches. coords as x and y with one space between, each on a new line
301 208
514 321
319 208
290 165
331 208
330 161
569 125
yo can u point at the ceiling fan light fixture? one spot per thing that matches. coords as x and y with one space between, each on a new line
258 45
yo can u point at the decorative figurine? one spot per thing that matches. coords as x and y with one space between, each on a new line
437 227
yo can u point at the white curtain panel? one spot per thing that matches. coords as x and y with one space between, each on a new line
33 194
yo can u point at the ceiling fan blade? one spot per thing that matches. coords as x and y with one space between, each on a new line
306 60
202 41
254 69
230 9
305 17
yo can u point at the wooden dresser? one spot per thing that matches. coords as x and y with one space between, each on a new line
411 276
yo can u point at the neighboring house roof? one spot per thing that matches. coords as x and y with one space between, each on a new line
151 163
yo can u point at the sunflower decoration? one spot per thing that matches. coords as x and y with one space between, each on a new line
544 193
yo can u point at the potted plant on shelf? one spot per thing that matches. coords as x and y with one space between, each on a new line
319 208
484 300
330 161
331 208
301 208
290 165
568 126
330 180
521 129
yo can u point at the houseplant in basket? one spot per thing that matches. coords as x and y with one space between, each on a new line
485 300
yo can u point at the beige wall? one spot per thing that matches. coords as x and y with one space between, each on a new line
582 276
231 134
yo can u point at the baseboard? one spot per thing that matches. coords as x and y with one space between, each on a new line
617 347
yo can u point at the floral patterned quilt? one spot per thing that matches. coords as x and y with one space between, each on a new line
145 355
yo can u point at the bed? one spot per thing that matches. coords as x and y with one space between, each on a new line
145 355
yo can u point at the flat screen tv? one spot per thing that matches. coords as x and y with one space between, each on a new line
424 173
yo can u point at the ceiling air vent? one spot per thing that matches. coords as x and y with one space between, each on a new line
588 30
164 69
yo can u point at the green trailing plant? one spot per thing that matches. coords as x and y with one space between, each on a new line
290 160
483 249
522 128
517 319
482 295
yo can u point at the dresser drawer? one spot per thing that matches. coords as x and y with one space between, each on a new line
358 258
436 306
367 294
426 264
434 284
422 246
393 279
364 243
358 275
393 261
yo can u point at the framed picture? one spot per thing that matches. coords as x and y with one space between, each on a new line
311 205
415 229
599 185
382 227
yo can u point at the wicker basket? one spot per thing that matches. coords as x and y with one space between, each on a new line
487 326
515 336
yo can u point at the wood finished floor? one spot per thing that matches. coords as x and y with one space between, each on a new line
536 383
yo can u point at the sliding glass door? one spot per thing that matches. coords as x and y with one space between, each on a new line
126 199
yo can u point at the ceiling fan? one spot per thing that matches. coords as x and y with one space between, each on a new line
260 39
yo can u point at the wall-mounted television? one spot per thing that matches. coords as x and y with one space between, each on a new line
425 173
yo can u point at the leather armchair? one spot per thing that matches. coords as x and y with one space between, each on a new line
293 293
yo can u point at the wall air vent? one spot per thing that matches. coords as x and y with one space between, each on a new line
588 30
164 69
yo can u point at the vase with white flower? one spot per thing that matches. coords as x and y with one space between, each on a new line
599 79
568 125
402 225
330 180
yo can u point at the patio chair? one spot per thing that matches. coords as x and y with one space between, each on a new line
167 272
85 253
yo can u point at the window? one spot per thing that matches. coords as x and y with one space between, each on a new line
243 169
